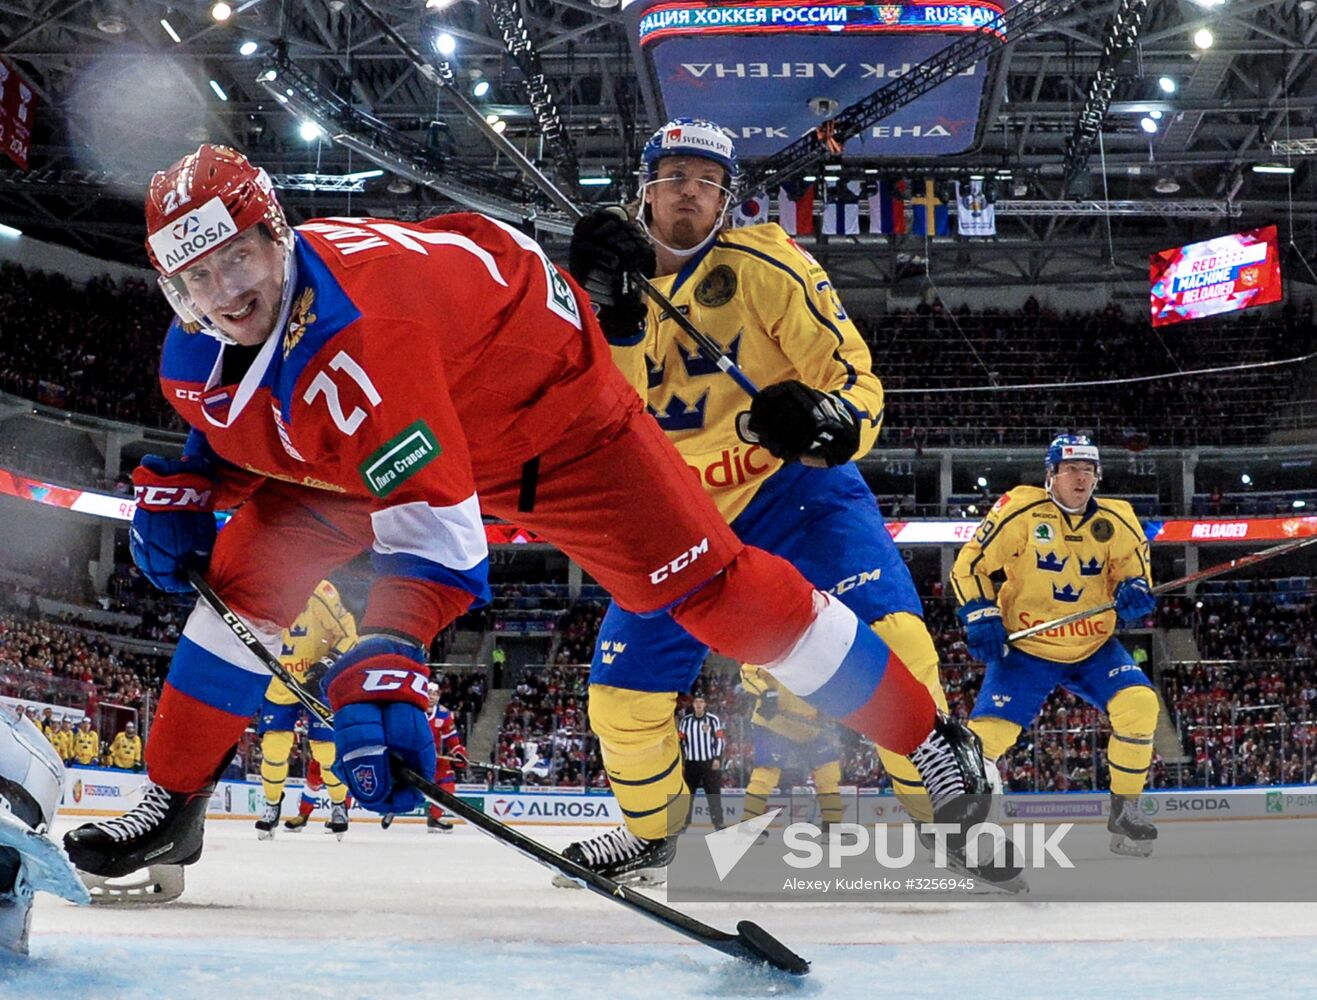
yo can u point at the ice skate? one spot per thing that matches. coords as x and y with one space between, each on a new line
268 822
162 833
337 824
1131 834
950 762
620 855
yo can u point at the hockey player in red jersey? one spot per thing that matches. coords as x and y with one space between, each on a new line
364 384
448 749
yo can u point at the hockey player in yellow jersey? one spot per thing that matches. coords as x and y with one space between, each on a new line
126 749
780 466
324 629
789 732
1062 550
86 743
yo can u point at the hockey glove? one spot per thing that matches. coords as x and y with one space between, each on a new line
377 690
1135 600
606 253
174 526
797 422
985 635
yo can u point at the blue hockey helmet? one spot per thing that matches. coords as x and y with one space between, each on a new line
1072 448
691 137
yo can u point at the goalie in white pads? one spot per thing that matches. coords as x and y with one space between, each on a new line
31 783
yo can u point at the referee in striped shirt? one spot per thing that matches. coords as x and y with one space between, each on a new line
702 746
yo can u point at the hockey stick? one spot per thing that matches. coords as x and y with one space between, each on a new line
710 348
1203 574
750 942
485 764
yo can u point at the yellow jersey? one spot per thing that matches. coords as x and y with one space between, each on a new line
86 746
793 718
63 741
774 311
1055 564
324 627
126 751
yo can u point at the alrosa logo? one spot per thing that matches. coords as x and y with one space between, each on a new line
680 563
551 809
182 230
196 242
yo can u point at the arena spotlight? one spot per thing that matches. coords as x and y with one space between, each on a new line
491 118
310 131
1155 115
221 11
1148 125
982 483
1246 479
480 89
169 30
1203 38
219 91
445 44
1167 85
9 232
1272 168
247 48
499 126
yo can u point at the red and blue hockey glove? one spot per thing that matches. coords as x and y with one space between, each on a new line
985 635
608 250
797 422
174 525
377 690
1135 600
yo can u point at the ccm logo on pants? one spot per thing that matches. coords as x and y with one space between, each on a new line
680 563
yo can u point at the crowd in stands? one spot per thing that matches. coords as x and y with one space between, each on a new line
1246 713
941 352
89 349
84 349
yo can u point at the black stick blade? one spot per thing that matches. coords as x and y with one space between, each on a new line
770 949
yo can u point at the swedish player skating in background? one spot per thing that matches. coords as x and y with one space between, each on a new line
1062 550
324 628
782 474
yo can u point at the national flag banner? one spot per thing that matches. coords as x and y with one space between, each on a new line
795 207
975 215
18 104
751 212
930 214
841 215
887 208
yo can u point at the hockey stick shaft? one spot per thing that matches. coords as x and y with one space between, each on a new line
709 347
750 943
1284 548
485 764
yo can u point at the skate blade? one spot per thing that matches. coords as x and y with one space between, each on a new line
644 878
265 835
339 835
1122 845
149 886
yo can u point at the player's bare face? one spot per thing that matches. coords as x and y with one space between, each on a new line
1073 483
239 286
685 199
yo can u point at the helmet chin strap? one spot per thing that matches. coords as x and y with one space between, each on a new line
683 254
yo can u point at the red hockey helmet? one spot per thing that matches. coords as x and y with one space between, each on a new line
202 202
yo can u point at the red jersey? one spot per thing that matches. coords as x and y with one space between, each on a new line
412 363
447 740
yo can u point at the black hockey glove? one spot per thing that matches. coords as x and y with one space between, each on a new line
607 250
797 422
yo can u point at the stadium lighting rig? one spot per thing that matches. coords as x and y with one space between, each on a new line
1122 33
507 17
496 194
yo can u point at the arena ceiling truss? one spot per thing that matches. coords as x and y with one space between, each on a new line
1083 190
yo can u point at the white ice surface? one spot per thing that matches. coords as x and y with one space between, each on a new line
406 913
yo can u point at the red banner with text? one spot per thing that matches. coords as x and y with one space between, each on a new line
18 105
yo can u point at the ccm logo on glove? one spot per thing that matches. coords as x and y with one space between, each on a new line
176 497
394 680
